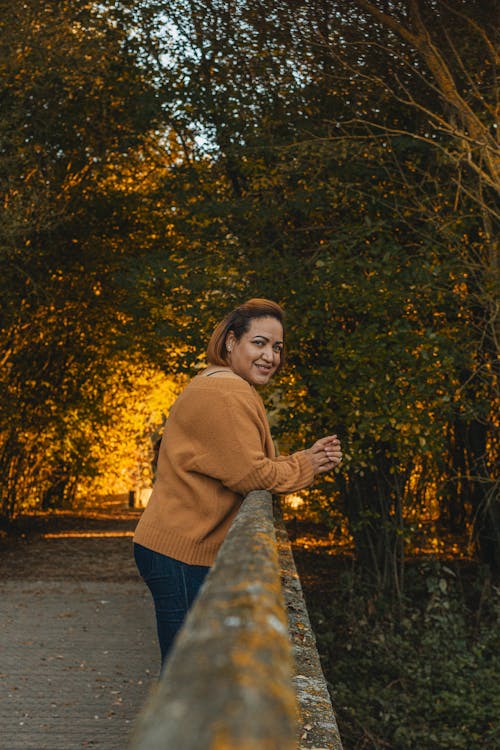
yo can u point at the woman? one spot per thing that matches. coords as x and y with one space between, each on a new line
216 448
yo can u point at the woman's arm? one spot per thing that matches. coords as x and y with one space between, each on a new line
234 434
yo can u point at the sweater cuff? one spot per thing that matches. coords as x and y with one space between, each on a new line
306 466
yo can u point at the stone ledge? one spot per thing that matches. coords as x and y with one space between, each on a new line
228 684
245 663
319 726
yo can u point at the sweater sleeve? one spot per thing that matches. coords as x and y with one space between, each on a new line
233 435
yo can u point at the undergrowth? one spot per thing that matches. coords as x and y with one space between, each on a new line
420 673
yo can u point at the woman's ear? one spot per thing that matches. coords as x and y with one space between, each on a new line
230 341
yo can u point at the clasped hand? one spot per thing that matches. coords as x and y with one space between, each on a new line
325 454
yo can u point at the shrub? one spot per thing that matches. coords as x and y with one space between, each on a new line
421 673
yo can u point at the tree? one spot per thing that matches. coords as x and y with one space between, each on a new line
291 176
74 103
440 69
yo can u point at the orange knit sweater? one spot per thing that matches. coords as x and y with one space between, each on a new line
216 448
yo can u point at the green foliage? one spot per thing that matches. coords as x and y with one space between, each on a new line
422 674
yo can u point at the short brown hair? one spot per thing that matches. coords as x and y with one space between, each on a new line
238 321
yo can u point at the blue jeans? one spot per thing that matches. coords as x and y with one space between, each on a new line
174 586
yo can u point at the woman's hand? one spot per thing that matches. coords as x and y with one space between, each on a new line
325 454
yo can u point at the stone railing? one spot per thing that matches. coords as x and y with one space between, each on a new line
244 673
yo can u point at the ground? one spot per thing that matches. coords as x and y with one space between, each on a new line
70 545
78 653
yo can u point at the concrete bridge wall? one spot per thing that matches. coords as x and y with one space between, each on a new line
244 673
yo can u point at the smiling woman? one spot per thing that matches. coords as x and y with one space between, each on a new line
257 355
216 448
249 342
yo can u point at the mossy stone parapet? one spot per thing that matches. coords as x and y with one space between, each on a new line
230 682
319 729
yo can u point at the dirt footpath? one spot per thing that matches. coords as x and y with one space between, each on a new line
78 650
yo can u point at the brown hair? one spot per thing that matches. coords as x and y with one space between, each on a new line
238 321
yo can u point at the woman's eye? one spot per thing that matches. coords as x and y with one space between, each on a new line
276 347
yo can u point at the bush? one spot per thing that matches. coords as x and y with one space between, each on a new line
421 673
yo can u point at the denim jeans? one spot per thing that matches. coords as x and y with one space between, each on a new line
174 586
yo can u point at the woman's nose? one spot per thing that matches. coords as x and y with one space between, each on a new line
267 354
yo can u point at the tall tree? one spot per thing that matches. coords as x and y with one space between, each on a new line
440 73
284 101
74 103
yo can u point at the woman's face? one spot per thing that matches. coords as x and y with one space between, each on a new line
257 354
